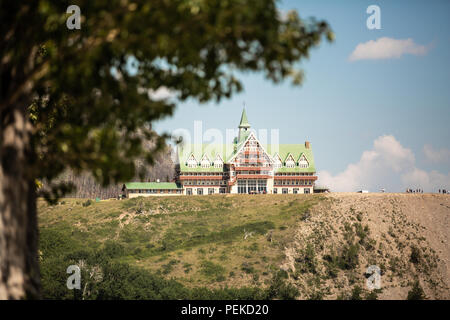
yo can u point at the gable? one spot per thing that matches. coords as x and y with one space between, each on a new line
296 150
252 143
303 162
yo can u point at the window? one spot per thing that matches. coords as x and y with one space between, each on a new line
285 190
275 191
242 186
306 190
251 185
303 162
290 163
191 162
277 162
199 191
295 190
218 162
262 186
210 190
189 191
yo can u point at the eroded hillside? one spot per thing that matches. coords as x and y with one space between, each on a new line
405 235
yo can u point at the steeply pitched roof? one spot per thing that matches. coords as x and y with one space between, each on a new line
211 150
296 150
227 151
151 185
244 122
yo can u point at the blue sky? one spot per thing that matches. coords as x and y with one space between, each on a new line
344 106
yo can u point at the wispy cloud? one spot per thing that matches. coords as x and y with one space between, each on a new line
387 165
387 48
436 156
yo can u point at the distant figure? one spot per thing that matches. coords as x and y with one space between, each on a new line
439 190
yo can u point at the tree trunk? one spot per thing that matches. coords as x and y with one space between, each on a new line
19 265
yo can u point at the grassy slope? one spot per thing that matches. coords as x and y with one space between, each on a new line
201 241
325 243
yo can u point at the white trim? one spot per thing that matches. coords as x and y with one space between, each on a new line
218 161
300 159
291 159
205 162
188 159
275 162
243 144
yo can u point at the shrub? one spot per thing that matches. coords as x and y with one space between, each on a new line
247 268
307 261
416 292
87 203
359 216
279 289
356 293
349 257
316 295
415 255
211 269
372 296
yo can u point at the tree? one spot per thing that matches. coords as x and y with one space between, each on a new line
80 98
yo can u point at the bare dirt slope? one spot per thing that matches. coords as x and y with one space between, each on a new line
406 235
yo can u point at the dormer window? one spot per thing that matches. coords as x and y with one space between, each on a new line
290 162
277 164
205 163
218 163
191 162
303 162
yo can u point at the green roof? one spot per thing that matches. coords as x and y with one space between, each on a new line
152 185
296 150
211 150
244 122
226 152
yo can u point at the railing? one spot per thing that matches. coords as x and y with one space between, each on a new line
252 152
309 178
253 168
251 161
253 176
201 178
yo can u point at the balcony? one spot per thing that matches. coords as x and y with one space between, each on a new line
251 161
308 178
252 152
253 176
252 168
201 178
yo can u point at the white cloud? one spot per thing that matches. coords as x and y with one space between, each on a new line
436 156
387 165
386 48
161 94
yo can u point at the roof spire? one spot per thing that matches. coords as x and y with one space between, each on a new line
244 122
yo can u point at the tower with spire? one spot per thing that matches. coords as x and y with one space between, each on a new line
244 126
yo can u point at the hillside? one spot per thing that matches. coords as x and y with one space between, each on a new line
321 243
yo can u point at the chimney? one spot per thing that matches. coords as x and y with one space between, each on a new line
307 144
